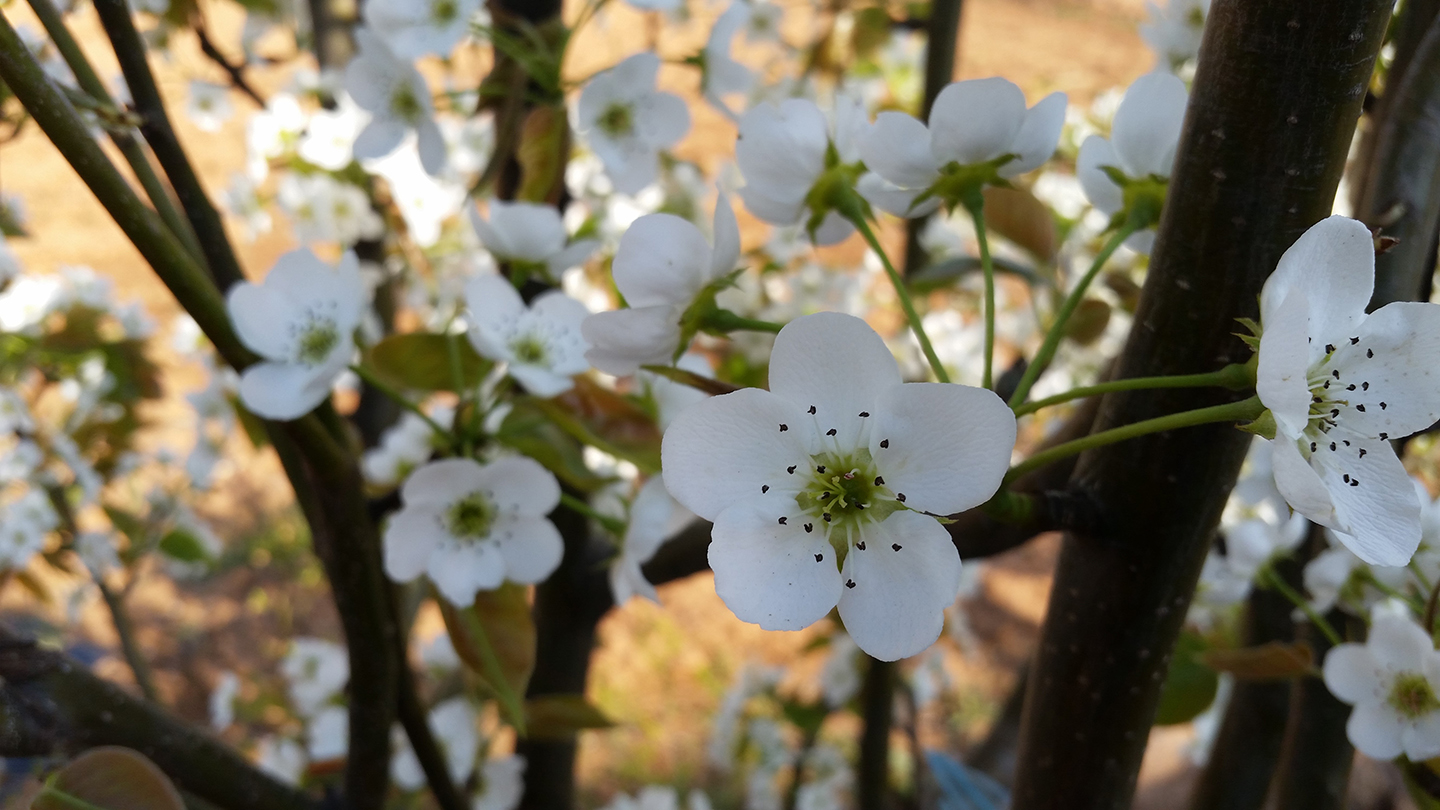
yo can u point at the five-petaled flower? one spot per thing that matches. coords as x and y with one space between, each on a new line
627 121
541 343
819 488
471 527
301 321
1340 383
1393 681
531 238
395 94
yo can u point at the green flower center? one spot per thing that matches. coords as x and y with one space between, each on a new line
529 350
471 517
444 11
843 494
404 104
618 120
319 339
1412 696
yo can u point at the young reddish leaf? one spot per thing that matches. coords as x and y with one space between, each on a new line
562 716
1016 215
600 417
113 778
504 614
1274 661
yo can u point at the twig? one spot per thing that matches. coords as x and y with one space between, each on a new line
235 72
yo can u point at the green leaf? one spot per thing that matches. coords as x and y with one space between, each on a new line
127 523
807 717
604 419
1274 661
559 717
420 361
544 140
504 614
528 430
871 31
1190 685
179 544
946 273
110 778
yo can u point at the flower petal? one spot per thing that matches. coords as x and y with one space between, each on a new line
572 255
1376 511
519 484
541 381
491 238
1038 135
495 306
1421 738
1351 673
1334 263
833 229
774 203
662 119
531 546
284 391
1300 485
532 232
893 199
624 340
441 483
461 570
662 259
1375 730
431 146
835 363
897 147
1282 376
725 449
1102 192
1397 360
783 144
259 314
946 446
410 537
906 576
727 239
1398 644
1147 124
975 120
379 138
777 576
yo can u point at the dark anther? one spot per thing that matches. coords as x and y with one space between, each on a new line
1383 406
812 409
1326 386
810 527
791 469
764 488
1329 348
784 427
831 432
1362 452
849 583
1334 412
819 557
1317 400
1354 340
1312 447
782 521
884 442
1369 353
1384 436
864 414
1332 447
824 496
879 481
1364 386
1336 372
900 496
820 469
1350 387
825 516
1354 482
1346 478
1360 408
1346 442
895 546
860 545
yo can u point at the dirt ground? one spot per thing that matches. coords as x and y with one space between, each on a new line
659 671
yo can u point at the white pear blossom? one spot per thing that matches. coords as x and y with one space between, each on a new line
503 784
327 735
272 132
661 267
1340 383
972 123
323 209
531 235
627 122
650 797
654 518
301 321
1174 31
723 75
243 203
25 522
1141 146
316 670
541 343
282 758
454 723
330 135
840 677
1392 681
222 701
784 149
819 488
425 201
209 105
395 94
403 446
472 526
415 28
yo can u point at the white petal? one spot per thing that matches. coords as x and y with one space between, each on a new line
662 119
1375 731
495 306
948 446
559 312
1147 124
442 483
431 146
651 515
283 391
783 144
519 484
624 340
1334 263
1282 377
1398 644
1398 354
490 237
774 203
532 548
1351 673
1102 192
542 382
897 606
1301 485
836 363
976 120
767 573
725 449
833 229
411 536
1038 135
461 570
662 259
260 314
532 232
893 199
1380 514
727 239
1421 738
897 147
572 255
379 138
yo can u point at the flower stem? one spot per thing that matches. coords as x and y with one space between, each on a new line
1235 376
64 799
612 524
975 204
400 399
1057 329
1231 412
1269 577
903 294
723 320
1374 581
494 673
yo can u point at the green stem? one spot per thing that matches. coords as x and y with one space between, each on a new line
129 647
65 799
372 380
612 524
1232 412
975 204
1413 603
494 673
1235 376
457 379
903 294
1269 577
723 320
1057 329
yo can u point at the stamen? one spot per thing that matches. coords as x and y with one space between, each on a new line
895 546
1370 353
812 410
791 469
1329 348
825 516
849 583
810 527
1364 386
1362 452
831 432
819 557
820 469
864 414
860 545
879 481
764 488
900 496
1354 340
1360 408
1384 436
784 427
782 521
1383 406
884 443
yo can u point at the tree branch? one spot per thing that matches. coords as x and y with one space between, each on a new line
235 72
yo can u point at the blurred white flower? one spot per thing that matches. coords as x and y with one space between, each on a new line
1392 681
209 105
282 758
316 670
627 122
330 135
415 28
222 700
654 518
397 97
530 235
540 343
243 203
327 735
1174 31
502 784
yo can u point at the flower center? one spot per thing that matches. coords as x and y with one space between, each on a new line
530 350
318 340
404 104
617 121
844 492
1412 696
444 11
471 517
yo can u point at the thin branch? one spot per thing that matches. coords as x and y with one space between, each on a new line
235 72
